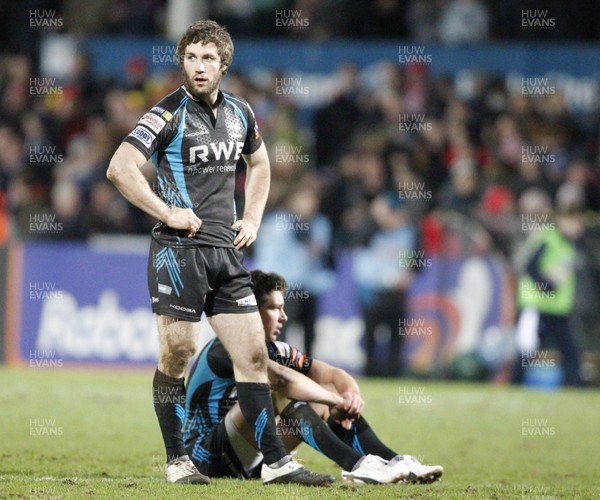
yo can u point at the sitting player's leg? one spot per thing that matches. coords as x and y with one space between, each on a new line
362 438
242 442
300 419
225 452
299 423
243 337
177 344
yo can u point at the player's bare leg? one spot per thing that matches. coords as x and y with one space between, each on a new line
177 344
244 338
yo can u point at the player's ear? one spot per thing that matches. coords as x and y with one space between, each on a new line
224 68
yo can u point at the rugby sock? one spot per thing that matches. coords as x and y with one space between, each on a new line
362 438
168 396
303 422
256 405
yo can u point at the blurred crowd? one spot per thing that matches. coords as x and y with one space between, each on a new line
392 161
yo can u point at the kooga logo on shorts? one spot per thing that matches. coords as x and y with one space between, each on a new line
180 308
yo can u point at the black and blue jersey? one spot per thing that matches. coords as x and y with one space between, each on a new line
195 157
210 391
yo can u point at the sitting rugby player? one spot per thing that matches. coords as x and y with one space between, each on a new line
316 403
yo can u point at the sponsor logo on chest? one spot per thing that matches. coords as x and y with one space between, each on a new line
218 151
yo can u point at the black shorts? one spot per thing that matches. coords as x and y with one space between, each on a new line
184 282
214 456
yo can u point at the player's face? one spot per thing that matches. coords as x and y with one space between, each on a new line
202 70
273 316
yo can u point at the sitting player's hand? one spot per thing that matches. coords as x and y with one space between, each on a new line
183 218
246 233
354 403
348 411
339 413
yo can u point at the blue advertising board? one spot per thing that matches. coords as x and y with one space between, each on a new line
84 305
74 303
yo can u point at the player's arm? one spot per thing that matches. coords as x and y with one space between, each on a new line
124 172
298 387
258 180
325 374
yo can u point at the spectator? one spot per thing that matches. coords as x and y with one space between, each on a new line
382 282
464 22
297 239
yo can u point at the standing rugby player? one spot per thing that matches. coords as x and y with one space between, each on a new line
194 137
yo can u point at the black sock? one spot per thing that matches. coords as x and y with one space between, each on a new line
168 395
362 438
305 423
256 405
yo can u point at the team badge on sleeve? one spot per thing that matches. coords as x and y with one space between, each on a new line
144 136
153 122
167 115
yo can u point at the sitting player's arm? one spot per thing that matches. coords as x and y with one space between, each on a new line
298 387
325 374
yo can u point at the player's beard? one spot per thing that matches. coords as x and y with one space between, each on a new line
206 93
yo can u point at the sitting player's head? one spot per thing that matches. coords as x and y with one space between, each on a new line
209 43
268 290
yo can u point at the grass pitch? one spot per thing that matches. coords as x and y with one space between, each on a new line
70 433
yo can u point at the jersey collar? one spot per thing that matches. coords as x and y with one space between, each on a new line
219 100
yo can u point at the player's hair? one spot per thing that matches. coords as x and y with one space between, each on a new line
206 31
265 283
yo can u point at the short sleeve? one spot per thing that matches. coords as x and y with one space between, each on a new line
152 131
253 138
287 355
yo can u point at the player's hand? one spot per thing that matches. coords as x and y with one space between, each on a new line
246 233
183 218
339 413
349 410
354 403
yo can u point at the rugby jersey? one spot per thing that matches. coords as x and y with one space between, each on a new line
195 157
210 391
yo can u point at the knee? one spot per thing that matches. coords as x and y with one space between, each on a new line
176 353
